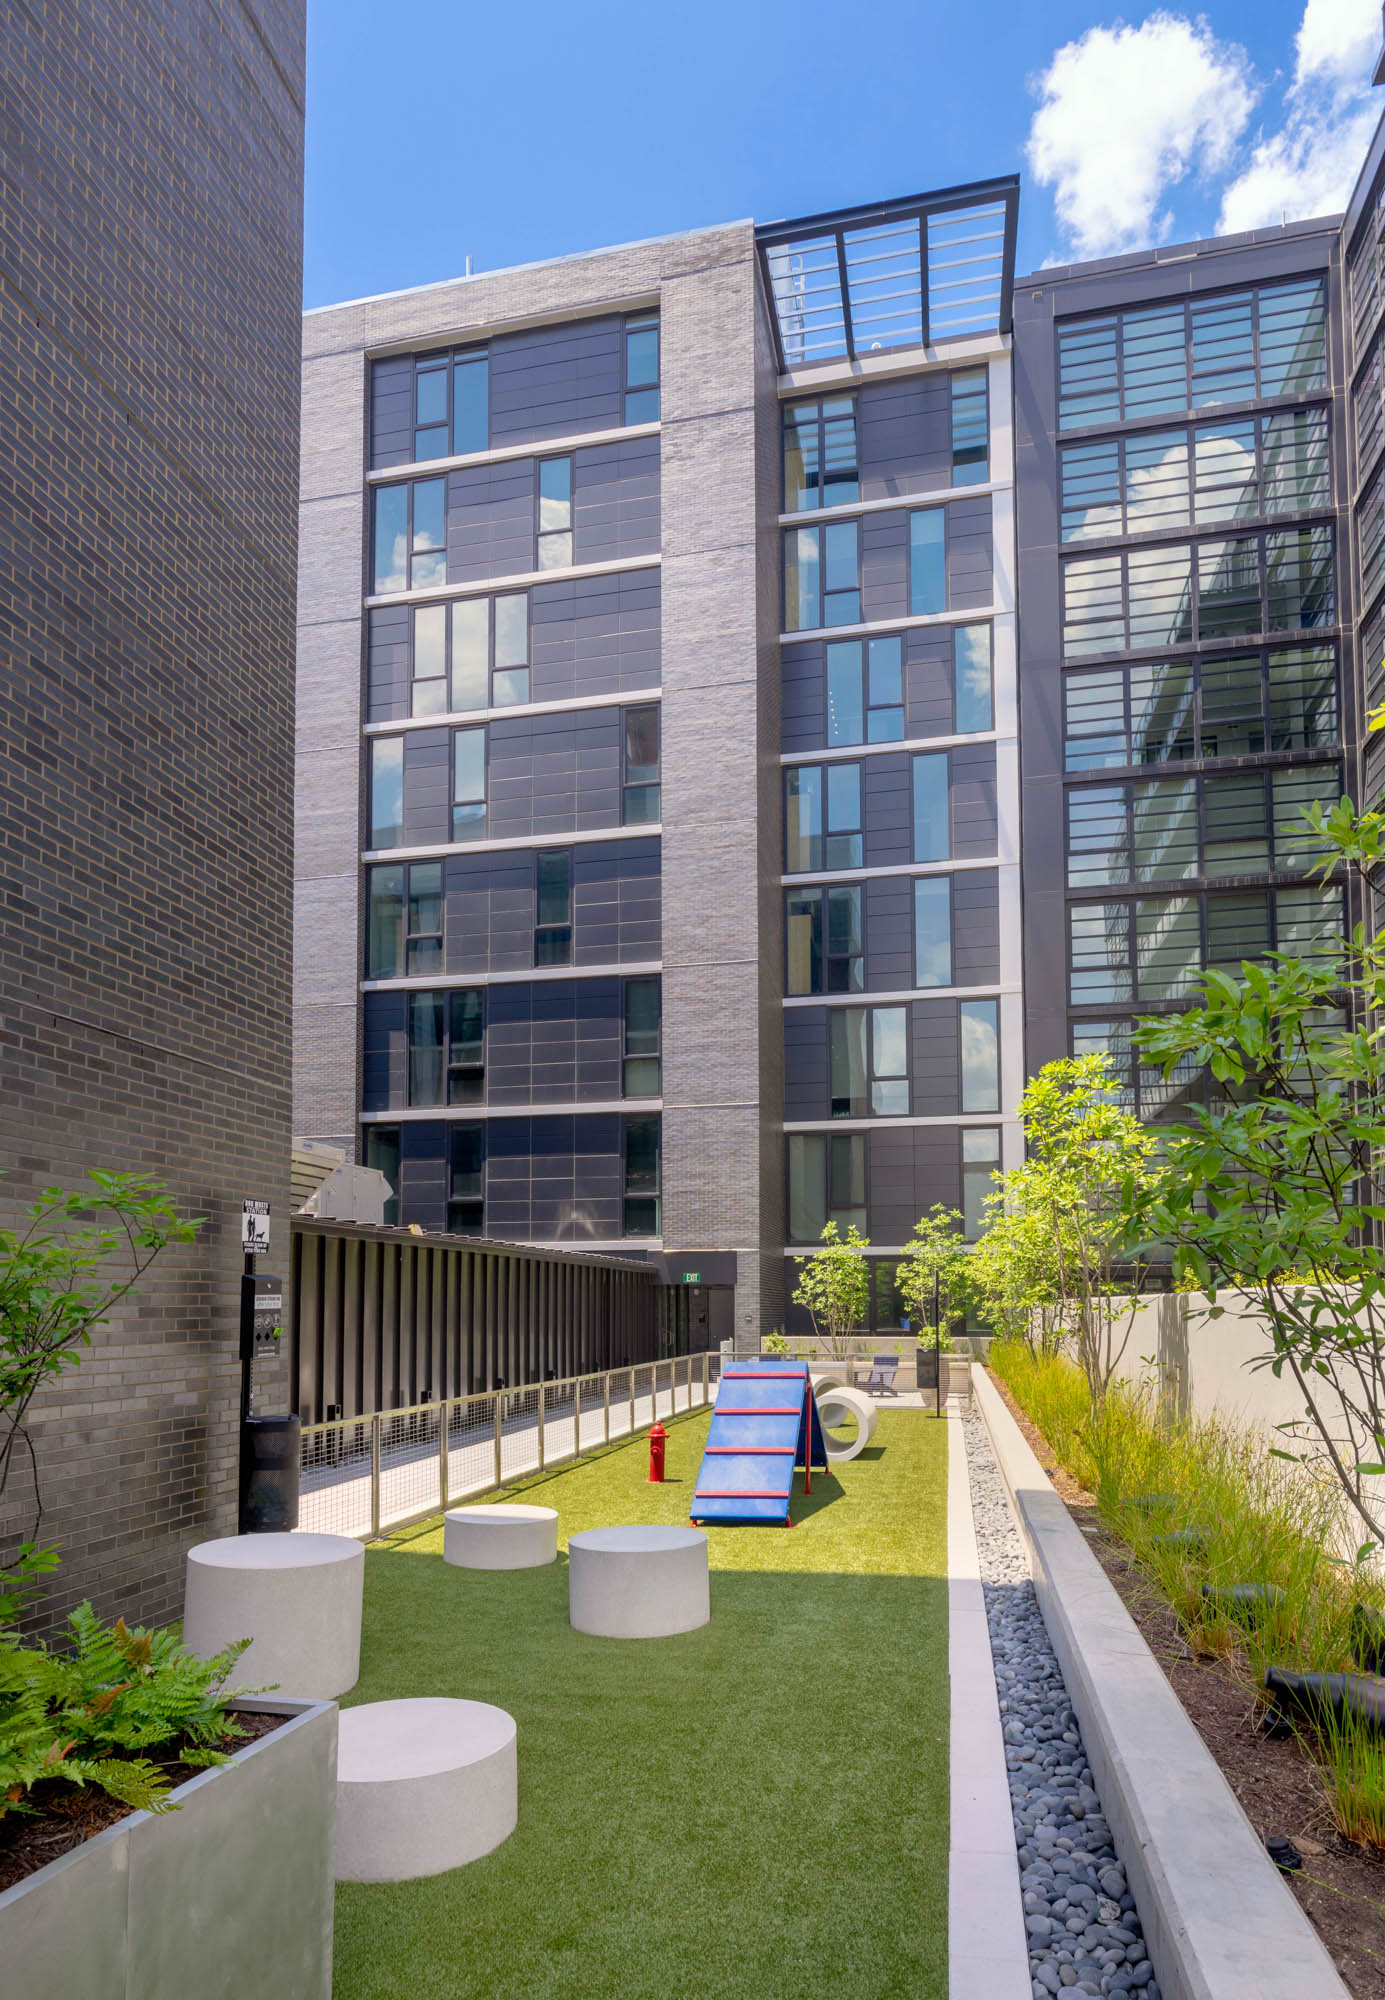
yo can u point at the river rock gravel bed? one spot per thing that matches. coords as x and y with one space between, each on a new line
1085 1936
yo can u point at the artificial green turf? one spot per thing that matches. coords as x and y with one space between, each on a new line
754 1811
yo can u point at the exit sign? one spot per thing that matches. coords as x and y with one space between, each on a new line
692 1277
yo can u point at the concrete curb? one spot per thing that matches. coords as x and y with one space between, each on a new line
1219 1922
987 1952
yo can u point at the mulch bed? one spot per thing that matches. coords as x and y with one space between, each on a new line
1342 1886
68 1815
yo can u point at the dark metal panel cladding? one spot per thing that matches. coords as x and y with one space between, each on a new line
970 554
935 1056
594 635
884 565
385 1056
392 411
427 787
976 927
889 929
490 520
615 501
803 708
806 1077
888 810
423 1173
388 663
975 829
554 773
556 381
616 902
928 690
904 436
488 914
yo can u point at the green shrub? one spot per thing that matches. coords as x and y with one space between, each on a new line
101 1713
1266 1522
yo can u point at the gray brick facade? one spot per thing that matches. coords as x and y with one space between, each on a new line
149 304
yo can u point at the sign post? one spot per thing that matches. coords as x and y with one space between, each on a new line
268 1435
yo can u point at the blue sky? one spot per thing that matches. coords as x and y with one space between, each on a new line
527 132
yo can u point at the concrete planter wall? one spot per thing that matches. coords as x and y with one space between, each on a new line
230 1896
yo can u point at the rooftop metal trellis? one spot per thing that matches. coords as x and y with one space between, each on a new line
902 274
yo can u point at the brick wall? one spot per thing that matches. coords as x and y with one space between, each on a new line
151 171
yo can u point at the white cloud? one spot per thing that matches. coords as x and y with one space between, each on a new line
1126 113
1309 165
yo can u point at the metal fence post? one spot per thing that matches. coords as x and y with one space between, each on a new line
706 1383
442 1455
375 1477
498 1423
543 1419
606 1408
632 1402
577 1417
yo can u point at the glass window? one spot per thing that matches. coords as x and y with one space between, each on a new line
642 369
382 1153
555 513
846 1180
846 706
428 695
1164 832
847 1065
1159 595
971 666
387 791
1098 836
471 401
466 1180
510 672
424 946
980 1055
1168 947
845 946
553 906
468 784
1155 486
470 652
425 1048
391 539
932 828
822 817
820 455
466 1046
1303 698
980 1164
1298 569
822 576
1099 953
889 1062
385 923
928 560
803 940
1232 705
969 427
885 689
1228 583
1147 598
641 1177
1236 832
431 438
1227 349
807 1186
933 931
641 1070
640 793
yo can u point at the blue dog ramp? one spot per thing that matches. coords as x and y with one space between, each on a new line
765 1422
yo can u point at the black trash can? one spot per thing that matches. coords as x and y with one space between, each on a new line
269 1455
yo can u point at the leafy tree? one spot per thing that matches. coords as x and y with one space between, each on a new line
937 1249
1016 1272
1274 1189
834 1286
1085 1158
62 1273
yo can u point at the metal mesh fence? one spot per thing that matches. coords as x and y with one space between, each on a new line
364 1475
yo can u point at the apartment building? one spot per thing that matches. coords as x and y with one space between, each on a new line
658 779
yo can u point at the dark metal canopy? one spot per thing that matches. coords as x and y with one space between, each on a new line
894 274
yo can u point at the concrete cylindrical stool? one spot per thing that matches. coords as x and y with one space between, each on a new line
502 1537
638 1583
297 1597
836 1404
422 1786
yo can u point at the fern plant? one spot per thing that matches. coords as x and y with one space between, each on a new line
35 1749
94 1715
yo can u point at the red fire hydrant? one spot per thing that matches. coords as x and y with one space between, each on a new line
657 1439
